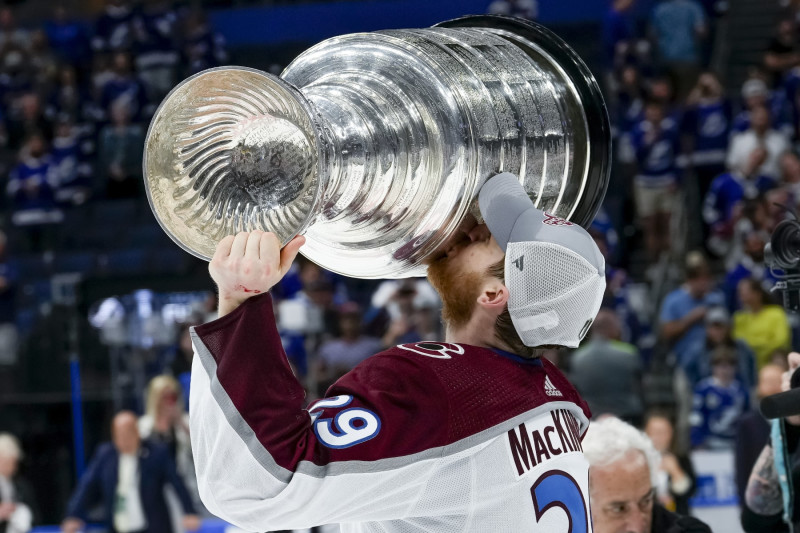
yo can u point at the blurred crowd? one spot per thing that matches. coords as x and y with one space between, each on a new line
76 98
690 335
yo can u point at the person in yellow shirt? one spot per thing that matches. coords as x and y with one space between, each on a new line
761 324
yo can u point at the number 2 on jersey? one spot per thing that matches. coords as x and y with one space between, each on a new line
558 489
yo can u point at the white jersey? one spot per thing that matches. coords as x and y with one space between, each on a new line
427 437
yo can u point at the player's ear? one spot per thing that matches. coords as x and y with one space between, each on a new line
493 296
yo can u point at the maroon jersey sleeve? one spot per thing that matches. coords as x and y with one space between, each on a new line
365 417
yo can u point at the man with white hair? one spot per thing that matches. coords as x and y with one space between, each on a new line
623 467
16 497
760 142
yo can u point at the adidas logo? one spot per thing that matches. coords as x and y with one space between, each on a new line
518 262
551 389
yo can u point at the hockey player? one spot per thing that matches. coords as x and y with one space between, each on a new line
475 434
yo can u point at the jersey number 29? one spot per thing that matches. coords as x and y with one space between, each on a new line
348 428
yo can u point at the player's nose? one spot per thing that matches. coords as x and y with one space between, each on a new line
479 233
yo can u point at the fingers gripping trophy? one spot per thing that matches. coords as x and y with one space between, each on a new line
472 151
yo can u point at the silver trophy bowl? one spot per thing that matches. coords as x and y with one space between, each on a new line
375 145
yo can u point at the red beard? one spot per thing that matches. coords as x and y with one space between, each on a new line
458 289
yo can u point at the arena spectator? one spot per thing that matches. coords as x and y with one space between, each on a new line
309 316
16 80
68 38
166 422
783 52
676 478
72 171
605 360
67 100
426 323
31 184
400 328
623 467
605 235
752 430
393 305
123 88
18 511
725 204
719 402
755 94
101 74
679 27
656 142
340 355
761 324
617 295
707 122
42 62
619 31
127 477
790 176
760 135
661 88
120 154
11 34
155 48
685 308
26 118
202 47
697 362
113 30
750 264
630 98
752 219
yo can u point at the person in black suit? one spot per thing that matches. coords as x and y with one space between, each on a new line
128 477
17 503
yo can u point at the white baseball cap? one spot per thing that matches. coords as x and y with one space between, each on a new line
554 271
754 87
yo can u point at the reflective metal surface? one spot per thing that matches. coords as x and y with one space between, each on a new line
375 145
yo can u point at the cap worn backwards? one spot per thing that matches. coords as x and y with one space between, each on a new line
554 271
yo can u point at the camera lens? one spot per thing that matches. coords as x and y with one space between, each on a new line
785 245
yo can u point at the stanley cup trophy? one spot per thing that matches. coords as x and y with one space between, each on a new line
375 145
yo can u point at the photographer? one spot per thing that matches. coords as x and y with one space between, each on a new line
764 497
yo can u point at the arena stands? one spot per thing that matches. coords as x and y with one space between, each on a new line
706 133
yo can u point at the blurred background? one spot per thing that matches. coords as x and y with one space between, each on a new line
96 301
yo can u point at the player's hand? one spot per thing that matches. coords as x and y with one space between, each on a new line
794 364
249 264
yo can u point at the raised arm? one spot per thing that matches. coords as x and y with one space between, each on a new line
263 461
250 264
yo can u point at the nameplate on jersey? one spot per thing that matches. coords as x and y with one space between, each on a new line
540 439
437 350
